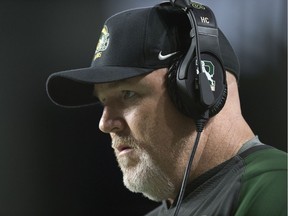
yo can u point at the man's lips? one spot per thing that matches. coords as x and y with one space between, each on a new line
121 149
123 145
124 150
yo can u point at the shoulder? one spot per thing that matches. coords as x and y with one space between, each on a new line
263 182
263 159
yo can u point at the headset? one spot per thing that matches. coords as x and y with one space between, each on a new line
197 81
197 84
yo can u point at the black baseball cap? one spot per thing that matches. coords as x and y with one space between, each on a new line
132 43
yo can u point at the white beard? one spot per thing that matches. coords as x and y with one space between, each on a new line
145 176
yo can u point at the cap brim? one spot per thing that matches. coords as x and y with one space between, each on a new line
74 88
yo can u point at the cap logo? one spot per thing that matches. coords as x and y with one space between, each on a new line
209 69
197 5
164 57
102 43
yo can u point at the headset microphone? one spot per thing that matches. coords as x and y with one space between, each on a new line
206 95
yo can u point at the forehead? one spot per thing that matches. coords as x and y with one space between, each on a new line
131 82
144 81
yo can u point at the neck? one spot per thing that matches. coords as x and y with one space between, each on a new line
221 142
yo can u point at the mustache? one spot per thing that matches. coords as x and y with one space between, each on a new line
127 141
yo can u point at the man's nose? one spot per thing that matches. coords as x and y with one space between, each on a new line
111 120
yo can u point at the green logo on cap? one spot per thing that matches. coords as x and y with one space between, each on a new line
102 43
197 5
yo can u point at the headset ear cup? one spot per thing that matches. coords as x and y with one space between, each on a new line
191 107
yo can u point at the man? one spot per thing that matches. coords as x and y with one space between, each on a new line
155 119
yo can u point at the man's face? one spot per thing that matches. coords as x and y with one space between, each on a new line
147 131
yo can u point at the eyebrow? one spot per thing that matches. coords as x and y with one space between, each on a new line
116 84
119 82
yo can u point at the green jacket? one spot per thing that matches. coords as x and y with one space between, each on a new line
252 183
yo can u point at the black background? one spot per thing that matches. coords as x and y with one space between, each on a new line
54 161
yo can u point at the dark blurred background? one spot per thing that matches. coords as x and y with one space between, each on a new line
54 161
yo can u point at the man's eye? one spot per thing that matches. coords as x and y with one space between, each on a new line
128 94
